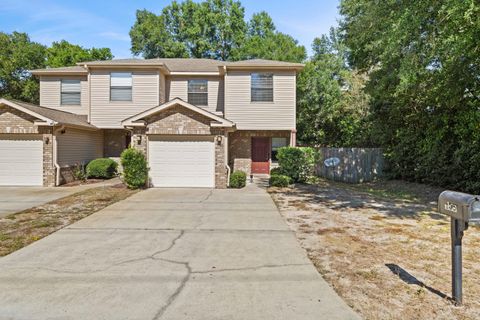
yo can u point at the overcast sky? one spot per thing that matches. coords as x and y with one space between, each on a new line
101 23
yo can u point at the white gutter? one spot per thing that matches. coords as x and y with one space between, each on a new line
55 155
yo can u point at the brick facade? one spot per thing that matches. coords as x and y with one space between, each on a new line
240 147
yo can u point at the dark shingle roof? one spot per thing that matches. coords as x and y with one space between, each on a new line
62 117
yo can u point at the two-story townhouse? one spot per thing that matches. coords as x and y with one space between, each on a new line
196 120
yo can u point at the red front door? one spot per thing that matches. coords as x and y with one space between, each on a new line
260 155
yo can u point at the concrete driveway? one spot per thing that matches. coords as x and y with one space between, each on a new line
170 254
15 199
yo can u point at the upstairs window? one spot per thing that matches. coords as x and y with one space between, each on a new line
262 87
70 92
198 92
121 86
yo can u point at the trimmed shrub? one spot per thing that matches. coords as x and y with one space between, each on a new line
103 168
135 169
276 171
279 180
297 163
238 179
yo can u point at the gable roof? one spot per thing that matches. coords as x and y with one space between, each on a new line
136 120
50 116
173 65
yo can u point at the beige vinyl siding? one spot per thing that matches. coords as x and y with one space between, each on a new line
79 146
276 115
162 89
50 91
177 87
109 114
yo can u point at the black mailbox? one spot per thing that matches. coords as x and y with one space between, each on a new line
463 209
460 206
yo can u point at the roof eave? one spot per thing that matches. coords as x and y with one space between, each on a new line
58 72
264 67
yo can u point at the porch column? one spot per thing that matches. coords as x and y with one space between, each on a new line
293 138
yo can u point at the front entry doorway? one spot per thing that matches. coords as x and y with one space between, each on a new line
260 155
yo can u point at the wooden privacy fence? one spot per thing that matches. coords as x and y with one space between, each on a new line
356 164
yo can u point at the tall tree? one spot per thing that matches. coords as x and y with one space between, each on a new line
332 109
424 68
63 53
213 29
263 41
208 29
19 55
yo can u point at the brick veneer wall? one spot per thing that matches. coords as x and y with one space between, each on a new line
178 120
182 121
14 121
240 147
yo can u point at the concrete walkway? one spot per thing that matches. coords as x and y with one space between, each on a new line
15 199
170 254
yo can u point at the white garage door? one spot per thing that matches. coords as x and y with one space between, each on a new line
181 161
21 160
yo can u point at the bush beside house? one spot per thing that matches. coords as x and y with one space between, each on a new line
279 180
298 163
135 169
102 168
238 179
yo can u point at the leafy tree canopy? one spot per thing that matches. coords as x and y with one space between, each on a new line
63 53
19 55
332 109
213 29
424 78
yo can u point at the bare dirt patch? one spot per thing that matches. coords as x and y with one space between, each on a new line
22 228
383 247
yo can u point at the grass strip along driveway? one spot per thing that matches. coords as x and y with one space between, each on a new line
22 228
383 247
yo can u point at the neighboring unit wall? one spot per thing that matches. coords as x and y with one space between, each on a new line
240 147
177 87
109 114
50 91
14 121
276 115
77 147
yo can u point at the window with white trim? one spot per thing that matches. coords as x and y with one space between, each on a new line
121 86
277 143
262 87
70 92
198 92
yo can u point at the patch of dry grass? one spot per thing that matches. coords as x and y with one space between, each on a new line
383 247
22 228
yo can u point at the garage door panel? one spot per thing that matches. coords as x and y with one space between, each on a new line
21 160
183 163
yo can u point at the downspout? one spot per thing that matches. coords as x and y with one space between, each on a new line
55 155
226 159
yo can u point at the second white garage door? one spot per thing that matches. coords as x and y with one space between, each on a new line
21 160
181 161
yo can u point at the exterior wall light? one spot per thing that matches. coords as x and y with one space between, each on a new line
219 140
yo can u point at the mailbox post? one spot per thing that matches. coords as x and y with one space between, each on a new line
463 209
